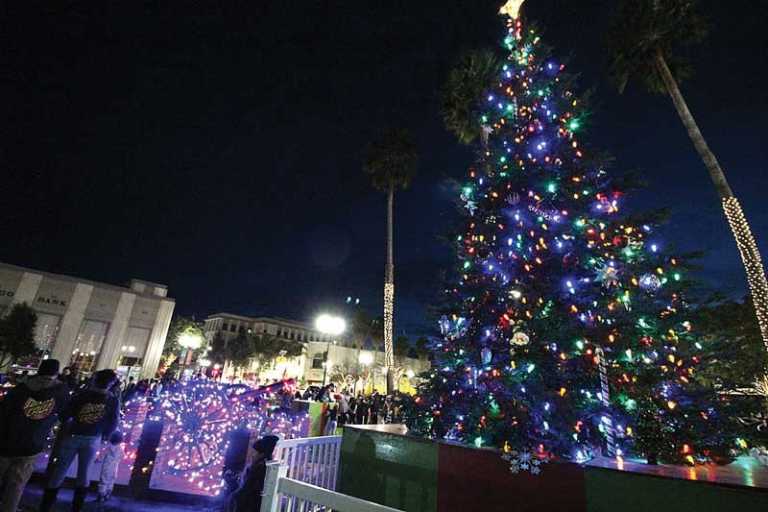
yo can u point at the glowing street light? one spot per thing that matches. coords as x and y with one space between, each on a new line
333 326
365 358
329 324
190 341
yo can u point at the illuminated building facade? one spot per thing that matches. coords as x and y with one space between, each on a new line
356 362
92 325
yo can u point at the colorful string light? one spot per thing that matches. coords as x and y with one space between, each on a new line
569 328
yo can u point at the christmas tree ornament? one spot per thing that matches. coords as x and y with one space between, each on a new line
570 259
608 275
650 282
454 327
486 355
444 324
513 199
519 339
485 132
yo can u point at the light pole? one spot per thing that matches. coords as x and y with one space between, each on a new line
332 326
365 358
189 342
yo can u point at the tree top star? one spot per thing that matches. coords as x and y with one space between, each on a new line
511 8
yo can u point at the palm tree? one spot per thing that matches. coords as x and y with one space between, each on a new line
472 74
644 39
391 162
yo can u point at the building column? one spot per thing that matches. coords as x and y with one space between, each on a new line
27 289
157 338
71 322
110 349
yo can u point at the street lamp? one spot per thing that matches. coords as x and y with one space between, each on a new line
332 326
329 324
189 341
365 358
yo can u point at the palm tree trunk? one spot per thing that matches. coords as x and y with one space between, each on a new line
710 162
750 255
389 293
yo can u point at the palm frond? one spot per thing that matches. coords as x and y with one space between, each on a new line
391 159
472 74
641 28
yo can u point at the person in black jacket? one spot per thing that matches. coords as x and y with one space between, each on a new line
69 378
248 497
27 415
91 416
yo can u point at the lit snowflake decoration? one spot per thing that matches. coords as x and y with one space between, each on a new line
525 460
608 275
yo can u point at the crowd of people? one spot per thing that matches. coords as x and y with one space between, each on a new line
346 407
89 413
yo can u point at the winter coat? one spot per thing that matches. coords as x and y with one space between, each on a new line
94 412
248 497
28 413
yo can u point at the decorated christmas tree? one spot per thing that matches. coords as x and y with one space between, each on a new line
568 328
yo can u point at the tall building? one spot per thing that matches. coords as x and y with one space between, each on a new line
325 357
92 325
229 326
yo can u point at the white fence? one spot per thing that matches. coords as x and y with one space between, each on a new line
313 460
286 494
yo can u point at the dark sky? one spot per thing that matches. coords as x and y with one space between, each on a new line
215 146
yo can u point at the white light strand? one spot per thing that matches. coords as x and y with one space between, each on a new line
753 264
389 307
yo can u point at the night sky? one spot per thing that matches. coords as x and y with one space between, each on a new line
216 146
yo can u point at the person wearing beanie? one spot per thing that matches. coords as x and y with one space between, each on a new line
92 415
28 412
248 497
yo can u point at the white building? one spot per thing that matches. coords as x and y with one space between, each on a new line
92 325
354 360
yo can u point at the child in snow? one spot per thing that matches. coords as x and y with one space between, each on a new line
112 457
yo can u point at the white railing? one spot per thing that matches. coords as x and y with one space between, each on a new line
313 460
286 494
